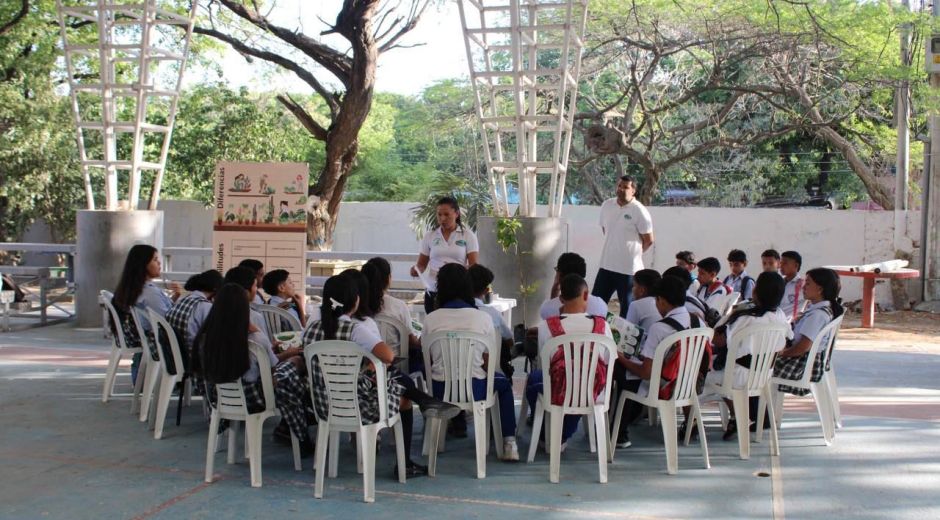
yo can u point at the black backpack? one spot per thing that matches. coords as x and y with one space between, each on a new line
711 315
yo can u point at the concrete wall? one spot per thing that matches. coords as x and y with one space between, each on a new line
822 237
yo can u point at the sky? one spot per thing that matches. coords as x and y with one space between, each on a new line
403 71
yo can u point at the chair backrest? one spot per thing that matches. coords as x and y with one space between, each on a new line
394 333
230 397
582 353
158 323
825 340
118 331
692 342
457 362
727 304
277 319
340 363
831 345
764 339
136 316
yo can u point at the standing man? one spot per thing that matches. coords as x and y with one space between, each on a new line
628 232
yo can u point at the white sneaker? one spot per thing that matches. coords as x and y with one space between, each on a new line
510 451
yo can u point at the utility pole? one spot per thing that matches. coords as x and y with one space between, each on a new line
902 165
931 205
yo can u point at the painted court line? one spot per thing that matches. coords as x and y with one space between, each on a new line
776 482
175 500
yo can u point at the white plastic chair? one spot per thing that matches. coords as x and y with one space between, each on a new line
230 405
690 357
167 381
830 379
119 349
457 361
582 353
340 363
149 368
395 334
820 390
275 318
765 340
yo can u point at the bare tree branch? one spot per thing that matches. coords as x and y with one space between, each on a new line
24 10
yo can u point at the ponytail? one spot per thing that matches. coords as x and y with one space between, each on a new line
339 297
376 287
828 280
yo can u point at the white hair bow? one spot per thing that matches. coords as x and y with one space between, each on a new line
335 304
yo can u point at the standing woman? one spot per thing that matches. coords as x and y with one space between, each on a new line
821 290
449 243
136 289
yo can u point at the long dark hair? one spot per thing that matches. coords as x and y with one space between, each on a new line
207 281
366 307
453 283
769 290
134 276
377 283
828 280
452 202
221 354
339 297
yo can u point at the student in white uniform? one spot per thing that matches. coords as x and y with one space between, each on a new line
570 263
686 260
481 278
628 232
643 312
793 301
739 281
379 273
710 289
449 242
770 261
281 292
258 268
768 292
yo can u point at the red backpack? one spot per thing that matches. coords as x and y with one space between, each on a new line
670 369
557 365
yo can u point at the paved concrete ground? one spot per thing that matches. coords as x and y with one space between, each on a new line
64 454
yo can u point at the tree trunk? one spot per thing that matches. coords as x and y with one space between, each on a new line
646 190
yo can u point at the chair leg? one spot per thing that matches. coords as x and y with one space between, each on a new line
334 454
141 379
523 410
667 417
600 428
833 388
111 374
151 381
480 437
615 429
651 414
358 442
323 440
555 421
774 439
723 410
400 451
823 406
211 445
743 420
434 429
295 451
366 440
253 436
163 402
232 441
185 389
536 430
497 423
591 430
692 421
697 413
764 407
777 402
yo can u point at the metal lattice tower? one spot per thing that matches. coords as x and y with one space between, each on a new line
525 62
125 61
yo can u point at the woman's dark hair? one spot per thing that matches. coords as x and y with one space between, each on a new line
828 281
453 283
207 281
384 268
768 293
221 354
361 283
133 277
377 282
452 202
242 276
480 278
339 297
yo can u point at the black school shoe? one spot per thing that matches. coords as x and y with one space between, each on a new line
412 470
731 432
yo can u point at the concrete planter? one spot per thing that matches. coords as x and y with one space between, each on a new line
103 240
541 240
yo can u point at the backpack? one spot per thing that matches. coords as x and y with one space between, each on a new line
712 316
557 365
670 369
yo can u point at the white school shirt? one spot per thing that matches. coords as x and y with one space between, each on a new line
657 333
466 319
197 318
151 296
260 337
574 324
596 306
454 250
623 225
712 299
793 297
277 301
643 312
736 281
812 321
394 308
364 335
498 323
746 348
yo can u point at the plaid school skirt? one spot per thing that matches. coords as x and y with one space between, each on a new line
794 368
366 393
